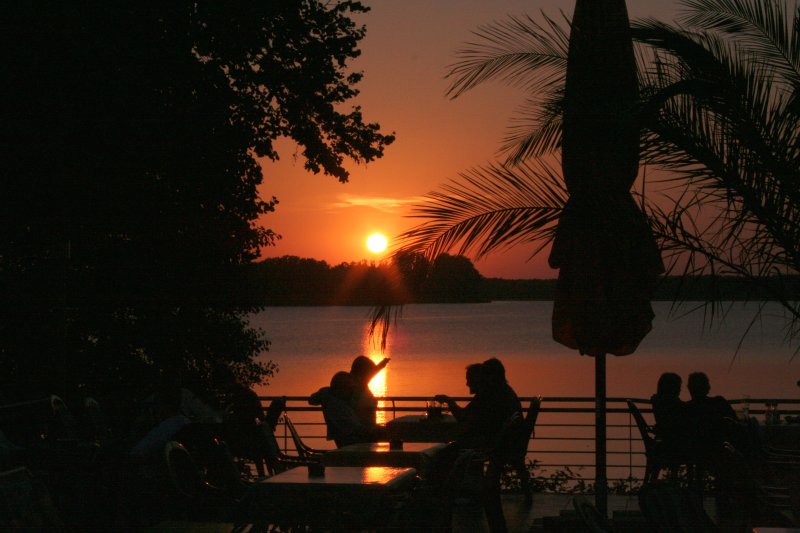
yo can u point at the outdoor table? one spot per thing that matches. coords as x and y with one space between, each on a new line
418 455
421 428
345 497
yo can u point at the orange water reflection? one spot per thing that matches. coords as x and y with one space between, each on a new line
378 385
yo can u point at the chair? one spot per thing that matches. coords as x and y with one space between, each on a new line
521 440
277 461
183 471
509 450
303 450
658 456
212 457
196 492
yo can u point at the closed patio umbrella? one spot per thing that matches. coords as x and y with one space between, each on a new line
607 257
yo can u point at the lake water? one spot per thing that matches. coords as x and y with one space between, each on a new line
432 343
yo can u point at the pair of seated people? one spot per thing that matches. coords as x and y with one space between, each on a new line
349 407
700 426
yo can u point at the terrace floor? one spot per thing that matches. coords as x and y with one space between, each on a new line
549 513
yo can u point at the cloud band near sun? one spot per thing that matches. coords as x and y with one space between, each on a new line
380 203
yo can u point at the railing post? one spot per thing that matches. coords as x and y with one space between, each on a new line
601 478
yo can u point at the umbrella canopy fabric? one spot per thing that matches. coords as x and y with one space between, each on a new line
607 257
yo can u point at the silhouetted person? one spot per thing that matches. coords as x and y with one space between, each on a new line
496 381
715 421
493 404
150 448
673 425
244 420
365 405
343 426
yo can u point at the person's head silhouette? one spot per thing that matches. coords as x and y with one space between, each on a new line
476 378
698 385
669 385
342 385
495 371
363 370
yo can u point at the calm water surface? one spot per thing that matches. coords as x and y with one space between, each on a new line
432 343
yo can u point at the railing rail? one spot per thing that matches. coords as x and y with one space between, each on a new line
564 437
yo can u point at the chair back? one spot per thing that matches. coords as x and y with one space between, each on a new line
512 442
532 414
527 429
182 469
31 422
644 429
303 450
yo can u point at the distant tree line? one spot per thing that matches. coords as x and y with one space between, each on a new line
412 278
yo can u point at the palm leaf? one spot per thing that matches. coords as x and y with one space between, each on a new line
765 28
519 52
489 209
536 130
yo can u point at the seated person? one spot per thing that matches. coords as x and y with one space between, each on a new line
344 426
495 374
244 420
149 449
483 417
715 421
673 425
364 403
493 404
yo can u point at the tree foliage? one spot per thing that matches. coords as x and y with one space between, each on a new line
130 191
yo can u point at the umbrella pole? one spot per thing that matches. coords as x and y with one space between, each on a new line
601 481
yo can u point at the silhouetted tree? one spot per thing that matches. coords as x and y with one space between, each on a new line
413 269
129 201
453 278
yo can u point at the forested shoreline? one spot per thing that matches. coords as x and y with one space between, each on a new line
295 281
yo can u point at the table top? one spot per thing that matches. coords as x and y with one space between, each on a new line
385 447
345 476
345 497
422 418
418 455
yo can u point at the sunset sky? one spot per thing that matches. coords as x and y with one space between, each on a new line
405 55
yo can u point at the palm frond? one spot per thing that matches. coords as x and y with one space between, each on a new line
518 51
767 29
489 209
723 127
536 130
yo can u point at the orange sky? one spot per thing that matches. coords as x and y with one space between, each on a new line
405 55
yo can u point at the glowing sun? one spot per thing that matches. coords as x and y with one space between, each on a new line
376 243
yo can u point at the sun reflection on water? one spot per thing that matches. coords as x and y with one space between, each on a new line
379 384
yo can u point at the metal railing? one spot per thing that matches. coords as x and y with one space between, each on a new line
564 437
